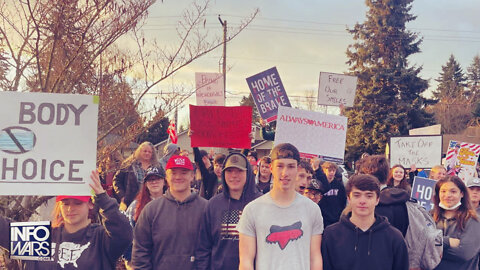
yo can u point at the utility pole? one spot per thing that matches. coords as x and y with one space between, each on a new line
224 24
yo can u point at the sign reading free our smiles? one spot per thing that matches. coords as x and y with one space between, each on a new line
47 143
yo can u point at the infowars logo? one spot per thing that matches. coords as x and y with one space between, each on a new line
30 241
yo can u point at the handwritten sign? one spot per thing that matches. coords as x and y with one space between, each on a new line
422 191
335 89
218 126
48 143
268 93
209 89
423 151
461 159
313 133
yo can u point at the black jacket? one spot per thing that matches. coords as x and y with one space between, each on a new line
93 247
346 247
126 185
334 199
209 184
392 206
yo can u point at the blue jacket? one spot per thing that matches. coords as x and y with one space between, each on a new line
218 240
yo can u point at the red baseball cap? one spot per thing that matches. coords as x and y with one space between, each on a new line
80 198
179 162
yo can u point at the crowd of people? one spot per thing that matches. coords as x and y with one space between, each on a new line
239 211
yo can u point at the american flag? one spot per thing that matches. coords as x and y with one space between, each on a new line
451 148
172 131
229 224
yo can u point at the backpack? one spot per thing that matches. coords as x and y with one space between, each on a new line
424 240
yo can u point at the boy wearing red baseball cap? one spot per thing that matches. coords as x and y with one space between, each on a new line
166 231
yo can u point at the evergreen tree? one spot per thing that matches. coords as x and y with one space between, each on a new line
388 100
473 79
248 101
452 81
156 133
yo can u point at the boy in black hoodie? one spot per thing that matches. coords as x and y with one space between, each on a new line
218 241
363 240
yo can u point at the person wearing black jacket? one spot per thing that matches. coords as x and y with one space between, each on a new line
76 242
393 200
334 199
218 241
362 239
210 180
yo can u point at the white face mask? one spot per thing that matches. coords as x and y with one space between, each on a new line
444 207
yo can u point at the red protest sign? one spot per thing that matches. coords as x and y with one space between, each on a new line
218 126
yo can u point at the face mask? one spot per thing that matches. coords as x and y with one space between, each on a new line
450 208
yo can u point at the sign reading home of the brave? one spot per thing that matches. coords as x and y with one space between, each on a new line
48 143
268 93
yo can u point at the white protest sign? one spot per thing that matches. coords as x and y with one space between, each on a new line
423 151
209 89
48 143
335 89
313 133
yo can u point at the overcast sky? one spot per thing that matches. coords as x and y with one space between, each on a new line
303 37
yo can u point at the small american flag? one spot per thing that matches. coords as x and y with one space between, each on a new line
172 131
229 224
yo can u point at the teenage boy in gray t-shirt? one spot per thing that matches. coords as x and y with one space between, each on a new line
281 229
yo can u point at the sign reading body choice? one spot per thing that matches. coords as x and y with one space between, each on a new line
48 143
209 89
423 151
268 93
312 133
336 89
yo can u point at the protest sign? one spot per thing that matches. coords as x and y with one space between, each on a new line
461 159
335 89
268 93
218 126
423 151
313 133
48 143
31 241
209 89
422 191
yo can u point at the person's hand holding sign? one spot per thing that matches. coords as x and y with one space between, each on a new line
95 184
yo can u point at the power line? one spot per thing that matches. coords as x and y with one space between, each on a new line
321 23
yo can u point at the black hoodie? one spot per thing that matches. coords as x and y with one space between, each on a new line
93 247
392 206
334 199
347 247
218 241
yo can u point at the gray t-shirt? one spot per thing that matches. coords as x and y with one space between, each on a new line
283 234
